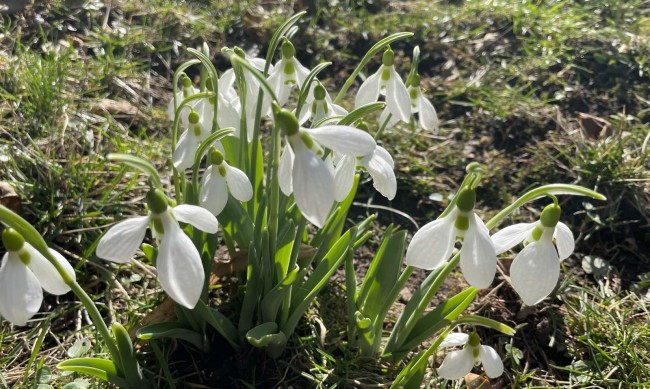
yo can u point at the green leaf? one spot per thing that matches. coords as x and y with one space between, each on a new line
130 365
138 163
306 85
170 330
219 322
360 112
100 368
271 302
485 322
277 36
266 334
235 219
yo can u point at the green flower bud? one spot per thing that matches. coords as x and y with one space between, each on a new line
208 83
193 117
550 215
474 340
319 92
388 59
466 200
12 239
288 51
216 158
287 122
157 201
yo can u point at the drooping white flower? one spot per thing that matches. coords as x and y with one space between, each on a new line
379 165
535 270
24 273
186 91
428 118
218 178
179 266
302 170
228 115
433 244
318 105
460 362
387 82
189 141
287 73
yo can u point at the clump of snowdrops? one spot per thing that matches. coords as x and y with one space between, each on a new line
280 200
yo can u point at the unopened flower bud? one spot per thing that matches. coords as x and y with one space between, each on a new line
185 81
193 117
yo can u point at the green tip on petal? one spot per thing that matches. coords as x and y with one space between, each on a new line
551 215
388 59
157 201
287 122
216 158
193 117
288 51
185 80
12 239
466 200
319 92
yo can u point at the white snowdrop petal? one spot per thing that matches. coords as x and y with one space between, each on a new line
428 116
121 241
369 90
383 176
284 170
491 361
301 72
381 152
456 364
454 339
46 273
478 260
185 151
179 265
313 185
398 101
535 271
21 294
238 183
511 236
276 82
214 191
344 139
344 176
199 217
432 244
564 241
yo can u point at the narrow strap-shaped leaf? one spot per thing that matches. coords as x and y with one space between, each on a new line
219 322
130 365
277 36
272 300
306 86
361 112
103 369
170 330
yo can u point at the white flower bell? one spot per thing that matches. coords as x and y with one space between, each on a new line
179 266
189 141
460 362
217 179
186 91
433 244
318 105
427 116
535 270
302 170
379 165
287 73
24 274
387 82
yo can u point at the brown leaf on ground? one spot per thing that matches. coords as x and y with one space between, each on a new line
9 198
594 127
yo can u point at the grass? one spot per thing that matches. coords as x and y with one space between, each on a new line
508 78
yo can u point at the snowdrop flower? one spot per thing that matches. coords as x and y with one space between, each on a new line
319 105
302 170
189 141
24 274
179 266
428 118
228 116
387 82
460 362
287 73
379 165
433 244
217 179
535 270
186 91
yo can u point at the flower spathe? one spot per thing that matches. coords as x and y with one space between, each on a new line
220 177
303 172
387 82
179 266
24 273
535 270
433 244
460 362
